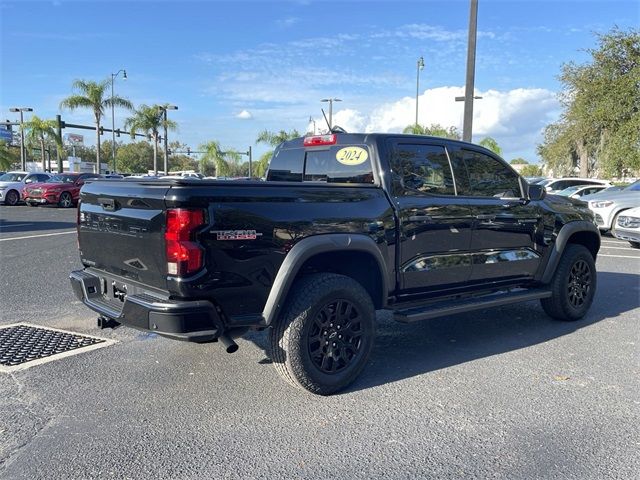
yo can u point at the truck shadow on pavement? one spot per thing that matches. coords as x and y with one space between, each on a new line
29 226
403 351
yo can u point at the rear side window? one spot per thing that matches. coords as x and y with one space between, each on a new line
335 164
486 176
423 169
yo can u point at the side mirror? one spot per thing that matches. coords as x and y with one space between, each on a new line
536 192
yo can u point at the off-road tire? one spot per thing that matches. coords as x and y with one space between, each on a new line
12 198
292 339
573 285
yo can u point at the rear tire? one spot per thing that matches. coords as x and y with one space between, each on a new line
12 198
65 201
634 244
573 285
325 334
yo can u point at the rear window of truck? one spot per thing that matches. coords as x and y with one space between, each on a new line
334 164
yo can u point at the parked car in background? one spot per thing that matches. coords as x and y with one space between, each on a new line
12 184
581 190
113 175
627 227
607 206
534 180
62 190
560 184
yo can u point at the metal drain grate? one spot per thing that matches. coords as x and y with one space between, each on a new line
23 345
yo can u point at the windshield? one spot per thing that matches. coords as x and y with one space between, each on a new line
12 177
62 179
635 186
569 190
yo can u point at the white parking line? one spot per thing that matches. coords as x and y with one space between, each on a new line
36 236
620 248
617 256
16 225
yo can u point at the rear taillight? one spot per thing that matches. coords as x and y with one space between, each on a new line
184 256
318 140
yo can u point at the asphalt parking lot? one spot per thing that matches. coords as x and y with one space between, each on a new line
504 393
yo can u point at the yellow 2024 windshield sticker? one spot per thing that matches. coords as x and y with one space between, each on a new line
352 155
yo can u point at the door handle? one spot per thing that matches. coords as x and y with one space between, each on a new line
420 218
485 217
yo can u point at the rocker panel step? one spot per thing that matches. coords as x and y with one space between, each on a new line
435 310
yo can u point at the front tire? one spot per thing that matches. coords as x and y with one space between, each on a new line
324 337
12 198
66 201
573 286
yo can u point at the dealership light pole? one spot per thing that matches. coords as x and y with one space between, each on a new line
23 154
163 110
467 123
420 66
330 100
113 116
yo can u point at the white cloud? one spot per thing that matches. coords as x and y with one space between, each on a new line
515 118
244 115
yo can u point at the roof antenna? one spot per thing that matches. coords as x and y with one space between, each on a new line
325 119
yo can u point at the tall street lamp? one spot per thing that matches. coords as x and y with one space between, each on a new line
113 115
330 100
163 110
23 154
420 66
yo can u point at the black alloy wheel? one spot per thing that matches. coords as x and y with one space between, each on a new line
324 335
579 283
335 336
573 285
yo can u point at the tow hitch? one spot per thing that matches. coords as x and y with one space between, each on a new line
106 322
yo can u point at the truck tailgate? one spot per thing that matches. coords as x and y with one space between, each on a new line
121 227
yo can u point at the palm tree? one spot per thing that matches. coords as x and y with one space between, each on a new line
435 130
149 119
272 139
213 156
93 95
40 130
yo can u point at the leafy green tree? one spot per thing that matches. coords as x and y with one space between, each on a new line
435 130
38 132
134 157
150 120
260 167
531 170
518 161
600 123
94 96
8 155
491 144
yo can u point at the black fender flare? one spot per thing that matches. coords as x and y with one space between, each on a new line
309 247
561 242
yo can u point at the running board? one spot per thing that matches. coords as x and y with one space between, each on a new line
443 309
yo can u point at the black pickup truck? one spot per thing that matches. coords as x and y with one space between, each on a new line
343 225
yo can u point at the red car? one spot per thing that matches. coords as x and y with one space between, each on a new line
62 189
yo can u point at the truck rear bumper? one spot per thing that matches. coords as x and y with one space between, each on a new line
195 321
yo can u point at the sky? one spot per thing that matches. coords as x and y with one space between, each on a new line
237 68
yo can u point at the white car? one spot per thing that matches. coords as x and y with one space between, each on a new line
608 206
559 184
581 190
627 227
12 183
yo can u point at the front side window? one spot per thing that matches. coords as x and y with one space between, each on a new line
487 176
423 169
